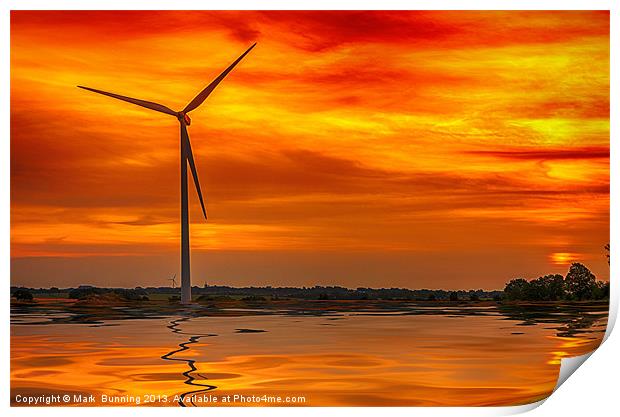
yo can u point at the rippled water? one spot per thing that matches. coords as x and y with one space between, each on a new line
328 353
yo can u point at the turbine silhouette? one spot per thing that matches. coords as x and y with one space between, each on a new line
174 280
187 157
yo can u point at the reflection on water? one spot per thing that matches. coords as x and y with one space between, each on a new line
331 353
191 380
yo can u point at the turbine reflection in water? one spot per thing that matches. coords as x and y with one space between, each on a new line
191 380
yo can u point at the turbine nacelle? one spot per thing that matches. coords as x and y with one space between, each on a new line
184 117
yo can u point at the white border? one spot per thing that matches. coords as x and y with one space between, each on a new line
592 391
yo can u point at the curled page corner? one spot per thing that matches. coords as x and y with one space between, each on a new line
568 366
520 409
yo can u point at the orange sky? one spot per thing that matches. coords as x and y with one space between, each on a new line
424 149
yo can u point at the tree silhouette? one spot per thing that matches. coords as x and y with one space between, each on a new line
516 289
579 282
555 286
22 295
607 248
600 290
547 288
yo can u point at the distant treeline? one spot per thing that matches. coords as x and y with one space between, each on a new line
268 292
579 284
341 293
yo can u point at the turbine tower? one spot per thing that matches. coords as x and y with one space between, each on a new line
187 157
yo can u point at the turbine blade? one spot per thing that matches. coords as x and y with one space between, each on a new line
148 104
192 166
202 96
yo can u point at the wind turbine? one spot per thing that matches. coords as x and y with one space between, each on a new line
187 157
174 280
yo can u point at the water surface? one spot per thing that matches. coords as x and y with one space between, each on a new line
327 353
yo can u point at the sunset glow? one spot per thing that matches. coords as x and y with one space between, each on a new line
563 258
416 149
